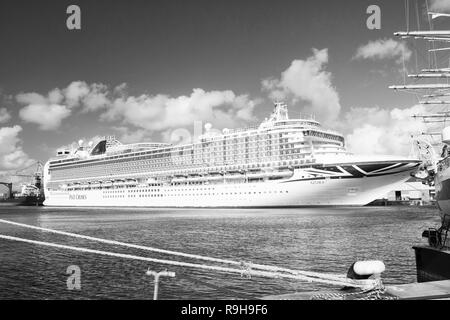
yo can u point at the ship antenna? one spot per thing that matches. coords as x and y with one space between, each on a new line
280 112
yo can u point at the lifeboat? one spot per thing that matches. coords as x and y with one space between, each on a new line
179 179
214 177
76 186
107 184
257 175
281 174
195 178
131 182
118 183
232 176
96 184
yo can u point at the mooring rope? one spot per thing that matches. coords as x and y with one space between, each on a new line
370 294
243 265
365 284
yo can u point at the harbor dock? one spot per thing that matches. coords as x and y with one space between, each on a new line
434 290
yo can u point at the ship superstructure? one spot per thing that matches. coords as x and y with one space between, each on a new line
281 162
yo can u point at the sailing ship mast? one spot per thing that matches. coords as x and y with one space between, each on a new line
437 93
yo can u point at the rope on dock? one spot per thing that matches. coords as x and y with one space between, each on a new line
347 282
370 294
243 265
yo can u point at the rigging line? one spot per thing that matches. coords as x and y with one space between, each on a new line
431 28
266 274
407 15
417 61
418 28
176 253
419 52
403 50
417 15
404 66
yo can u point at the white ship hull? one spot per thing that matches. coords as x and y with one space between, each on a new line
328 191
280 163
442 185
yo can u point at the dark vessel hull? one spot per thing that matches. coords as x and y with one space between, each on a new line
432 264
23 201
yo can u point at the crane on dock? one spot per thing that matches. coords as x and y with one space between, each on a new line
36 175
33 186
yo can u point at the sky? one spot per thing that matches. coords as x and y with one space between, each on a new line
141 70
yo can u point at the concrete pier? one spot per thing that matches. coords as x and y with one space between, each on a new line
434 290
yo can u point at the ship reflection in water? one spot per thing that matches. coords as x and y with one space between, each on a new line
318 239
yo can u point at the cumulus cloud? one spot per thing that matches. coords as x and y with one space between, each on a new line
50 110
384 49
31 98
4 115
96 98
12 155
74 92
149 112
91 97
383 131
48 117
162 112
46 111
132 136
309 82
440 5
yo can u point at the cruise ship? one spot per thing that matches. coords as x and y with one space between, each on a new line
280 163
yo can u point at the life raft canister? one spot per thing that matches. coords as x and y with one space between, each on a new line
365 269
